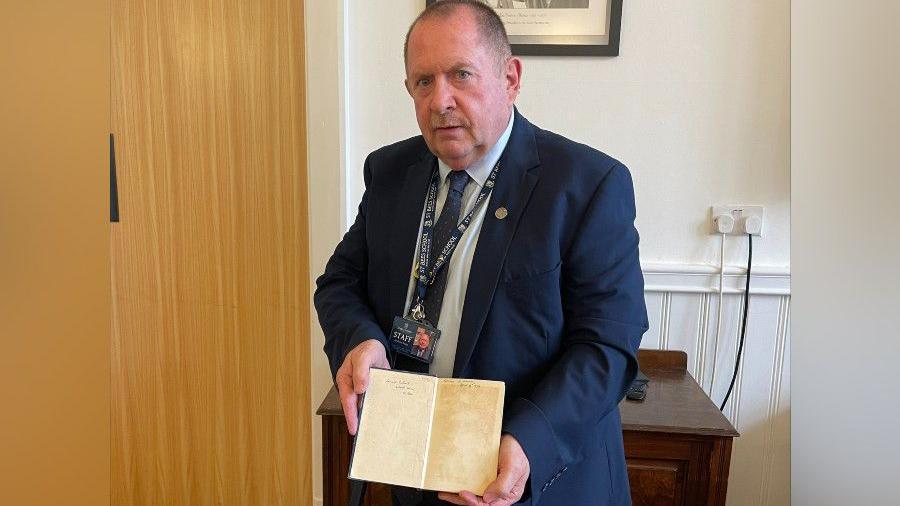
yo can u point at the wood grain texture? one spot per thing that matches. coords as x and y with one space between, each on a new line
661 482
210 346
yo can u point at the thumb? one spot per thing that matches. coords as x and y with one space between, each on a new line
360 378
500 488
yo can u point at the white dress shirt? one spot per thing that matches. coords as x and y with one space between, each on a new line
461 262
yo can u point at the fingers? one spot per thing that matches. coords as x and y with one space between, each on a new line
375 353
352 378
513 474
361 373
452 498
367 354
472 499
348 400
502 487
518 490
463 498
514 494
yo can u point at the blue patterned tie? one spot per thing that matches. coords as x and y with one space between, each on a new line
443 229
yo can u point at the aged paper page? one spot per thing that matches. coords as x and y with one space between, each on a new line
465 435
393 430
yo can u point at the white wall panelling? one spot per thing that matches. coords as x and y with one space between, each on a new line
682 305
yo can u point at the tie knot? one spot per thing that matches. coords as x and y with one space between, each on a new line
458 180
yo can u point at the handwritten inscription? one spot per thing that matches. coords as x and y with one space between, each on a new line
404 387
466 384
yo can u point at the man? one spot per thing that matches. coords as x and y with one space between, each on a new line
543 290
422 341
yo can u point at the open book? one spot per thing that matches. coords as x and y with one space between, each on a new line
428 433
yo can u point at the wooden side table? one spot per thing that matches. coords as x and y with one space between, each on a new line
677 443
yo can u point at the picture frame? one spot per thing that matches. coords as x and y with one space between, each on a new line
560 27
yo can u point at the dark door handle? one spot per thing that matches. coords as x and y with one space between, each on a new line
113 185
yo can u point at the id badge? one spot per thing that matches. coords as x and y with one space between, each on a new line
414 339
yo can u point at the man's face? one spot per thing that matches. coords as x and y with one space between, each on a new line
463 95
421 338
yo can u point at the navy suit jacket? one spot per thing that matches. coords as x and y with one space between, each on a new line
554 305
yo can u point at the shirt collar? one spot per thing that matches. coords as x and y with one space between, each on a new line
480 170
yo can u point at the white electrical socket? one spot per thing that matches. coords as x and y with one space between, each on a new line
740 214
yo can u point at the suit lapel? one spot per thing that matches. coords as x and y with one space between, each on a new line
405 229
519 172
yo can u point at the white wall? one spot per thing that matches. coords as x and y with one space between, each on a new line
325 125
697 105
846 112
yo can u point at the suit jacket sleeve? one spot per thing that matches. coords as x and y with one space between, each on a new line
605 317
341 296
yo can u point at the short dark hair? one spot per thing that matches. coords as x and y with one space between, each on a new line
489 24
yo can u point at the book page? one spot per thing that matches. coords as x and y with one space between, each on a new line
465 435
393 429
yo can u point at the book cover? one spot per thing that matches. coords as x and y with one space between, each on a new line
429 433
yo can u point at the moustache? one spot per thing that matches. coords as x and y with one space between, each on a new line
447 121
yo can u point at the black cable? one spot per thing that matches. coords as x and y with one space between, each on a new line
737 361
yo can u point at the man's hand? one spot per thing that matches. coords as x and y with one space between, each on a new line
353 377
513 470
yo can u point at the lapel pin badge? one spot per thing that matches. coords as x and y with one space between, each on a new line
501 213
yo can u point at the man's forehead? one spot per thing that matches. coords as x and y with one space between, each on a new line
458 18
445 33
444 47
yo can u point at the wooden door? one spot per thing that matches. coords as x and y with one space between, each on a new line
54 253
210 340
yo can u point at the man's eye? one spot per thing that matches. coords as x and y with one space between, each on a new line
463 74
423 82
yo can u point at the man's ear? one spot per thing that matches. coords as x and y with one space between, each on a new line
513 75
406 85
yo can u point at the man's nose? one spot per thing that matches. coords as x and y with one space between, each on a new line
442 99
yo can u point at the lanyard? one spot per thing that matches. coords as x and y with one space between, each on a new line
427 276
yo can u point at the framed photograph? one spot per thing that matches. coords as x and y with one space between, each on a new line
560 27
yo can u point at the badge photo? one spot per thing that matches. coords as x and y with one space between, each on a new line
414 339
